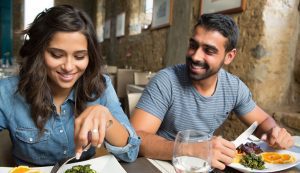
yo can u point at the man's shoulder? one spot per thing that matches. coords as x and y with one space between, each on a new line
228 77
172 71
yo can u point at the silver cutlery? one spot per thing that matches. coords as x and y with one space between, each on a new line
64 161
245 135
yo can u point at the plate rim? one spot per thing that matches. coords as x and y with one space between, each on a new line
240 167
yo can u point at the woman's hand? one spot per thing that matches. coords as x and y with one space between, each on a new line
223 152
91 125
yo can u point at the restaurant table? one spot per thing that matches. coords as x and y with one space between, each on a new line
143 165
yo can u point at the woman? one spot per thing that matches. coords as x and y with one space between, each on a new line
60 101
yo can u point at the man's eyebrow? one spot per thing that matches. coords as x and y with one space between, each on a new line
194 43
193 40
213 48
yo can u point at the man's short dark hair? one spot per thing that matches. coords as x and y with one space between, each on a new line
223 24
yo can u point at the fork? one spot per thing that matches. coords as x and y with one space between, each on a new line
64 161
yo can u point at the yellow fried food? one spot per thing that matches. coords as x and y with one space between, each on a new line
276 158
237 158
33 171
20 169
24 169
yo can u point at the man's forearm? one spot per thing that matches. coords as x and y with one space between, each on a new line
154 146
265 126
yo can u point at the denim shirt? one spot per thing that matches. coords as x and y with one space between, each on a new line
57 142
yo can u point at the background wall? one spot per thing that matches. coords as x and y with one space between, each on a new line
268 59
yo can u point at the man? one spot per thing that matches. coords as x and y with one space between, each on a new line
200 95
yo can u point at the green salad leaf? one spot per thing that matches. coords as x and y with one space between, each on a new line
253 161
81 169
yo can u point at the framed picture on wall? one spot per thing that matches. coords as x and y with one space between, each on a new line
107 29
162 13
120 29
222 6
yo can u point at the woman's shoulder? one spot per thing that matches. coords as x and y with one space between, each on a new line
8 88
9 83
106 77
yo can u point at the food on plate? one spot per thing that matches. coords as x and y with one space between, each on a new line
252 156
245 149
24 169
249 148
248 155
81 169
276 158
253 161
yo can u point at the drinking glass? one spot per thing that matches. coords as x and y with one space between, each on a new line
192 152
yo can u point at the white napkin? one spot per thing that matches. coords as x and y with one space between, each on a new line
163 166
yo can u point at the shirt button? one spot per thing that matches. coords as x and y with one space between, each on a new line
30 139
61 131
64 111
65 152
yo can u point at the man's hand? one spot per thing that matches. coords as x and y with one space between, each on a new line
223 152
278 138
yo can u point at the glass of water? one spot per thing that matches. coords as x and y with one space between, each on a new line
192 152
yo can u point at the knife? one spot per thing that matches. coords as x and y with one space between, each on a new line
242 138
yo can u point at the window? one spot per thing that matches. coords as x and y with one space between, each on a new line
146 13
100 19
34 7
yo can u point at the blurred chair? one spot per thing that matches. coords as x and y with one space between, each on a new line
142 78
131 88
132 99
112 72
124 77
6 158
111 69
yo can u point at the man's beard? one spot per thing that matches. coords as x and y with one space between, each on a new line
201 64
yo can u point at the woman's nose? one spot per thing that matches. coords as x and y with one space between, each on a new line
68 64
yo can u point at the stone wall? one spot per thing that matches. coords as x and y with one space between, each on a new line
268 61
144 51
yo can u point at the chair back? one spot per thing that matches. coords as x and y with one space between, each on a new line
133 99
124 77
142 78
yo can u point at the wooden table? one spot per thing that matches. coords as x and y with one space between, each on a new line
141 165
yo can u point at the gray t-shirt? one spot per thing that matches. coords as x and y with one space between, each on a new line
171 97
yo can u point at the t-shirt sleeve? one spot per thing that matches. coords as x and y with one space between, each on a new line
245 103
157 96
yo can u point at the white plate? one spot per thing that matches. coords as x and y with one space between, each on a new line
270 167
107 163
297 141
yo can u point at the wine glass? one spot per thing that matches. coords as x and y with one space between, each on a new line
192 152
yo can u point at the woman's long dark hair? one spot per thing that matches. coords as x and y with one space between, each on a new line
33 83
